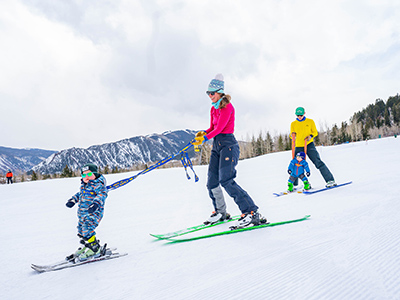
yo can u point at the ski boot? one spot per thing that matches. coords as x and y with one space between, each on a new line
92 249
76 254
217 217
307 185
290 187
330 184
250 219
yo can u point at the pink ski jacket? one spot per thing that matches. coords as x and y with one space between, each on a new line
222 121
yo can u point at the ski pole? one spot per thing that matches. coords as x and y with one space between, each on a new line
293 143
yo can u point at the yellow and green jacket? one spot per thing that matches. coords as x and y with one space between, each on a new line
303 128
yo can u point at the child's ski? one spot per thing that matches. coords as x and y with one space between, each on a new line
326 188
295 190
192 229
172 240
109 254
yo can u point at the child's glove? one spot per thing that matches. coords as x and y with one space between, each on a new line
92 208
289 171
71 202
308 174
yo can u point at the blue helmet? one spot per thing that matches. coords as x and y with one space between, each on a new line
302 155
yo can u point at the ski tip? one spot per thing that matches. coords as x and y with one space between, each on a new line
37 269
160 237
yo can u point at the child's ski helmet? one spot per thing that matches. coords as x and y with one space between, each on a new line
302 155
90 167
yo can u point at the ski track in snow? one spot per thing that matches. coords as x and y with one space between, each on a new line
348 249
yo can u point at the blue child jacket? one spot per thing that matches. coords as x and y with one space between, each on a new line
298 168
95 191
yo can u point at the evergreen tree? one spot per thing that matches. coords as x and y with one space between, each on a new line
34 176
106 169
288 142
343 136
364 132
269 144
281 146
396 113
67 172
387 121
260 149
334 134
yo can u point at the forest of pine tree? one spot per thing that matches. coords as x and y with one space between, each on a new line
376 120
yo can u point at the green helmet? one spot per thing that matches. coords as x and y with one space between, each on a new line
300 111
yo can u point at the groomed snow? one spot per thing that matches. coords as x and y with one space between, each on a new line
349 249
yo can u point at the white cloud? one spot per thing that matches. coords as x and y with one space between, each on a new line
137 67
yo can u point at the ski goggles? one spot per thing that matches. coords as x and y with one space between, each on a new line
212 93
87 174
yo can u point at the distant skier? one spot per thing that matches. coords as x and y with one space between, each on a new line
224 158
91 199
305 131
9 177
296 170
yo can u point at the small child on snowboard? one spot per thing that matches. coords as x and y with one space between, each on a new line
90 198
296 170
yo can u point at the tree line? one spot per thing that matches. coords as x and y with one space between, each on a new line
379 119
376 120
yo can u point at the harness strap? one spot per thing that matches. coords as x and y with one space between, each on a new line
158 164
293 144
186 162
305 148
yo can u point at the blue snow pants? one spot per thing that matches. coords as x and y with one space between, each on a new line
313 154
221 171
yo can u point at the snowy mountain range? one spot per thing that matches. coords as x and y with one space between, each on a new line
120 154
21 159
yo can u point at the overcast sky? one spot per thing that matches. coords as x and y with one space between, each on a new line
81 73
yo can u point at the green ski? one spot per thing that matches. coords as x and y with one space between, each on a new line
172 240
191 229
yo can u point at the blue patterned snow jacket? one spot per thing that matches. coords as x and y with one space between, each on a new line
94 191
298 168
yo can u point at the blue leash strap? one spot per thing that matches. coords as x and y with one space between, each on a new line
123 182
186 162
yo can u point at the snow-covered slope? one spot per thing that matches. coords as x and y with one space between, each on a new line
349 249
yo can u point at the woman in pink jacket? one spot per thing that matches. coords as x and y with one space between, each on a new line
224 158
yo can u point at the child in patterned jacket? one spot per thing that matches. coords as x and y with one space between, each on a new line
90 198
296 170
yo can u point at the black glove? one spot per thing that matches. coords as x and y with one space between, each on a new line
71 202
308 174
289 171
92 208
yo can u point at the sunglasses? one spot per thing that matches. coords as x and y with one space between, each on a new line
87 174
212 93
